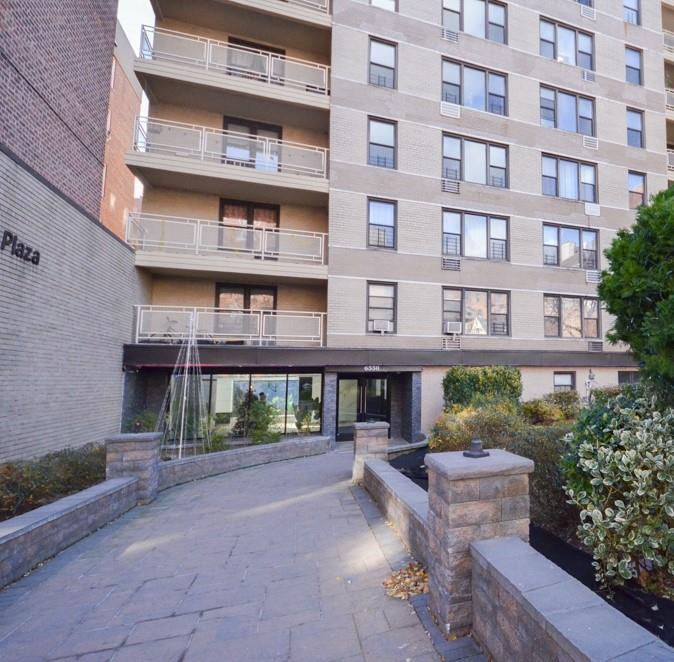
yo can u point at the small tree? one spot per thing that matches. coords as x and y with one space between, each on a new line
638 288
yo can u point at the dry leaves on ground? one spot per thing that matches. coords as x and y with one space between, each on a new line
409 581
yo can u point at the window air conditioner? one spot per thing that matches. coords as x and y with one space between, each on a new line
382 326
453 328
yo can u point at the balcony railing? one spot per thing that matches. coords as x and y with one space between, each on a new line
233 60
670 159
668 40
669 98
190 236
322 6
203 143
169 324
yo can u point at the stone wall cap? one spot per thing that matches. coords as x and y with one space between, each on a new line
140 437
456 466
375 425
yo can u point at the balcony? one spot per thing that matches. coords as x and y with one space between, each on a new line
168 58
314 13
670 160
668 38
164 243
169 324
208 160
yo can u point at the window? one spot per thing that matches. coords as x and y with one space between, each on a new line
570 317
481 312
382 144
566 111
564 381
562 247
637 189
574 180
391 5
626 377
635 128
479 18
474 235
381 223
382 64
474 88
633 66
381 306
632 11
565 44
472 161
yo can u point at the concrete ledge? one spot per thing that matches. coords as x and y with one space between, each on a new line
526 608
402 502
176 472
35 536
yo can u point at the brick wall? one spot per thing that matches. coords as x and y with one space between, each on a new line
55 60
63 322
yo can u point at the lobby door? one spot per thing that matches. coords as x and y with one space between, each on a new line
361 400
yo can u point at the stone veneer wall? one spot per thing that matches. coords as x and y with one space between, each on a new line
403 503
35 536
527 608
187 469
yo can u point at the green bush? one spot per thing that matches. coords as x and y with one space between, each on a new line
499 426
461 385
146 421
567 401
34 483
542 412
620 471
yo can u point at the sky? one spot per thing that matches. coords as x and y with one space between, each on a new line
132 14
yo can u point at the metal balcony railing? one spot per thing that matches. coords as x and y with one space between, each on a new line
171 324
322 6
194 236
228 59
669 98
203 143
668 38
670 159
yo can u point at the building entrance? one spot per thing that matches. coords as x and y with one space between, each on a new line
361 400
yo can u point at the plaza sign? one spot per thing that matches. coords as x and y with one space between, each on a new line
18 249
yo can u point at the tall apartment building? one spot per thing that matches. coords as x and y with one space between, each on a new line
66 282
342 201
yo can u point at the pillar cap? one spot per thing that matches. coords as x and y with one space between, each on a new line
136 437
455 466
376 425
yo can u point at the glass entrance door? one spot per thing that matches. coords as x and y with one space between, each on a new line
361 400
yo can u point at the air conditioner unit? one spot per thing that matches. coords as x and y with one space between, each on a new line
450 264
590 142
452 328
593 276
588 76
382 326
595 346
592 209
588 12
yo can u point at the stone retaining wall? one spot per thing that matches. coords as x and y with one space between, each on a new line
35 536
527 608
402 502
175 472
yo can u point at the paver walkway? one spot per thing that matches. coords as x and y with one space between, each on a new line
271 563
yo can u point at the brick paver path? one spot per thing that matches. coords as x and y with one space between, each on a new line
271 563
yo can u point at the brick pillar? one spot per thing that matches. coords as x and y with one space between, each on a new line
470 499
370 440
135 455
329 414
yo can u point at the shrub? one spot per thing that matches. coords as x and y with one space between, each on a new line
146 421
567 401
542 412
30 484
620 471
461 385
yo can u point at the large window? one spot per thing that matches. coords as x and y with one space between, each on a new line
381 223
626 377
293 403
574 180
473 161
633 66
566 111
381 307
382 143
482 313
571 317
635 128
472 87
474 235
391 5
569 247
565 44
382 63
637 188
564 381
479 18
632 11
